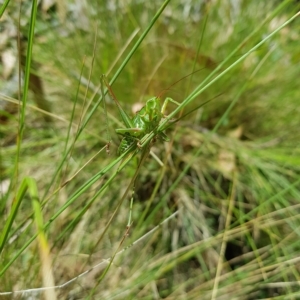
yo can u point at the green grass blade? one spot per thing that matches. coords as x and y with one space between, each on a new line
26 84
47 271
3 7
14 210
28 66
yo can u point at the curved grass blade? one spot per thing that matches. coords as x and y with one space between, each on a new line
79 192
21 122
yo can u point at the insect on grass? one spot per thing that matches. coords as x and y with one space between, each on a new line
142 123
139 127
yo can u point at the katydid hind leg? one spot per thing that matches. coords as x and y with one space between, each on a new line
125 118
108 137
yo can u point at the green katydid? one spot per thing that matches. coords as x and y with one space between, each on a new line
143 122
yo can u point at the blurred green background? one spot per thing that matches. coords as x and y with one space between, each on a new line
216 215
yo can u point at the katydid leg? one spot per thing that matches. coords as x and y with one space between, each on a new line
108 137
167 100
126 119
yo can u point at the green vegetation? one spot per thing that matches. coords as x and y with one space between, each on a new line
216 209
